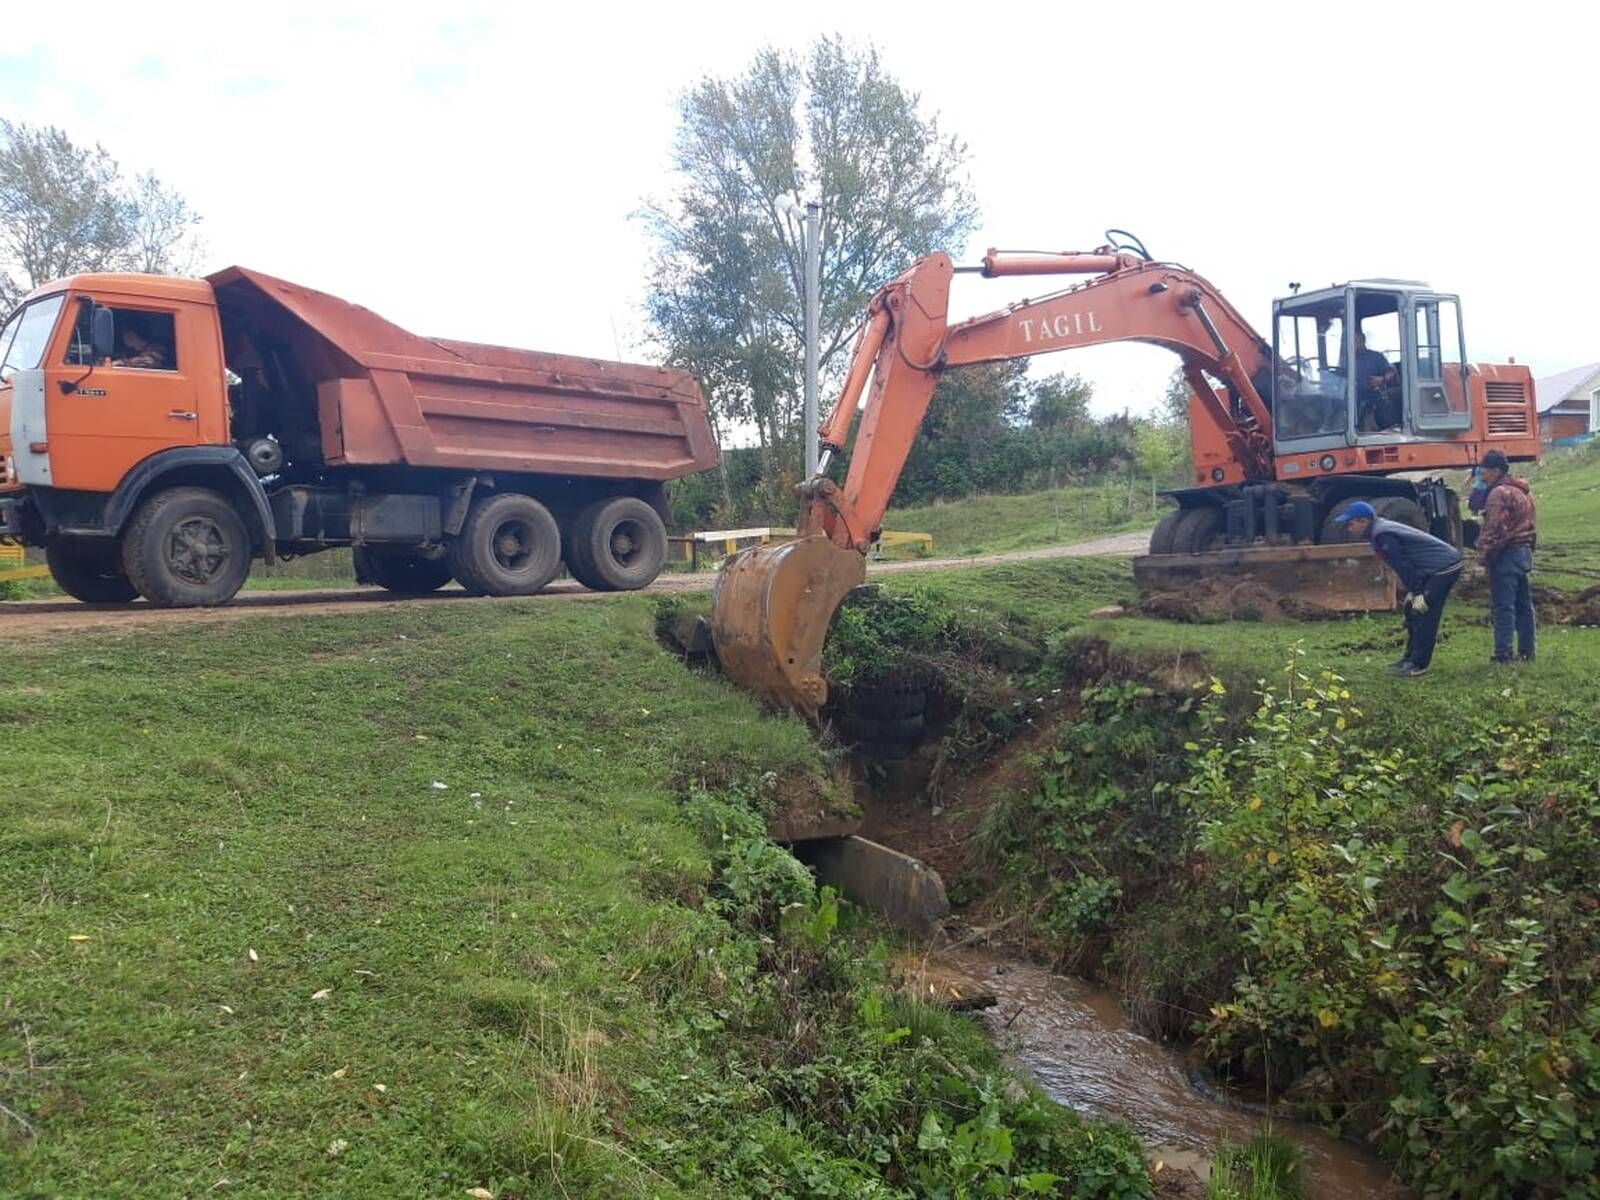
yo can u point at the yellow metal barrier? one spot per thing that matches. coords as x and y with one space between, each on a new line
14 563
717 543
891 538
25 573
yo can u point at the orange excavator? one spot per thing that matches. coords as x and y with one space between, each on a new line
1363 393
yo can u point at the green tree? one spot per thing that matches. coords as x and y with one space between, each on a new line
1060 403
1175 399
727 277
1170 432
66 208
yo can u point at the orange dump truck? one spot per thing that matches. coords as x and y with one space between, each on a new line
159 434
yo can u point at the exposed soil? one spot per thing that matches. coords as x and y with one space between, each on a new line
934 813
1554 606
1220 600
931 805
1568 608
49 618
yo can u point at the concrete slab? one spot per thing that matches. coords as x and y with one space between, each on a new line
905 892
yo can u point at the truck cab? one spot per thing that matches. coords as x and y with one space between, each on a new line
82 415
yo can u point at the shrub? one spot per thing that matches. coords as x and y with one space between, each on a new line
1427 925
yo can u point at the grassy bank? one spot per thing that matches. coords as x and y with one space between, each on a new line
991 524
417 902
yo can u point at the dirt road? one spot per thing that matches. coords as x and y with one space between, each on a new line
30 619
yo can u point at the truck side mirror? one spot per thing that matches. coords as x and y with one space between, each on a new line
102 333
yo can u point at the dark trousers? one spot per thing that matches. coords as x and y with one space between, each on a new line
1511 600
1423 631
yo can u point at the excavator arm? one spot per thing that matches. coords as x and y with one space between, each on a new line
773 604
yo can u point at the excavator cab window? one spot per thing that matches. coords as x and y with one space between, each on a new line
1379 364
1309 393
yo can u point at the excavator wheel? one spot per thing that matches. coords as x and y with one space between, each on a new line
1198 530
1161 535
1402 509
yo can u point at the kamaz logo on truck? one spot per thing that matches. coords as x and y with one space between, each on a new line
1061 326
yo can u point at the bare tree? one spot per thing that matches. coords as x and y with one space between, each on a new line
726 284
66 208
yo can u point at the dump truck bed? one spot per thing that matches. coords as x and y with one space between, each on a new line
373 394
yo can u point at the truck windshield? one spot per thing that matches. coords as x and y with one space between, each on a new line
25 336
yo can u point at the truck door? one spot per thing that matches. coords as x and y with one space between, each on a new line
114 414
1439 368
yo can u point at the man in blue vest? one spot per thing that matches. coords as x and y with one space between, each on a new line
1428 568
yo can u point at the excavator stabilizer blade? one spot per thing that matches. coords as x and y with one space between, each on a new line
770 613
1333 578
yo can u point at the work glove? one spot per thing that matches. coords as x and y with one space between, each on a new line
1418 604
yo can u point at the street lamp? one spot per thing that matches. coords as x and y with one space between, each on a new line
811 251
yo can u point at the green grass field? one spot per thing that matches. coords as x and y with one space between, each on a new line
1566 487
400 881
991 524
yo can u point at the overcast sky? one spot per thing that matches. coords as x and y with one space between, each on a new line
470 170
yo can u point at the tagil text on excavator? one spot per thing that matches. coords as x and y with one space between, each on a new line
1363 393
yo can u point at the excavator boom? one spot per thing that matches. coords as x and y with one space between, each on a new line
773 604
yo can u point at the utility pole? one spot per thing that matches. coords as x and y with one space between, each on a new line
813 286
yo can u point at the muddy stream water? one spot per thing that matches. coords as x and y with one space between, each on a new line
1074 1041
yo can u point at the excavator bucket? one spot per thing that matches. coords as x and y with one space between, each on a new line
1333 578
770 613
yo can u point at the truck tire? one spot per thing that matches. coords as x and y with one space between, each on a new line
508 546
90 571
617 545
1198 530
187 548
408 573
1161 535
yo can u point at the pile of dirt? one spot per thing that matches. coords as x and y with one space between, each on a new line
1555 606
1224 600
1558 607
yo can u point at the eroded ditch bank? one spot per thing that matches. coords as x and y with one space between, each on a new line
1397 943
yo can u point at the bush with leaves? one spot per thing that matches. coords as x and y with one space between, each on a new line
1421 933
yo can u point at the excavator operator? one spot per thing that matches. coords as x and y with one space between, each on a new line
1374 378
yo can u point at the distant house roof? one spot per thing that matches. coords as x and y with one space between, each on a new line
1553 389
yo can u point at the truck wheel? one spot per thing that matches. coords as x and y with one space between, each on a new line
187 548
508 546
409 573
1199 530
618 544
90 571
1161 535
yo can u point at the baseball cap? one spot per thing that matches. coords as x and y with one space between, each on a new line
1356 512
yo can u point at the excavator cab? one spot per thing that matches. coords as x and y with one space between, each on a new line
1375 362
